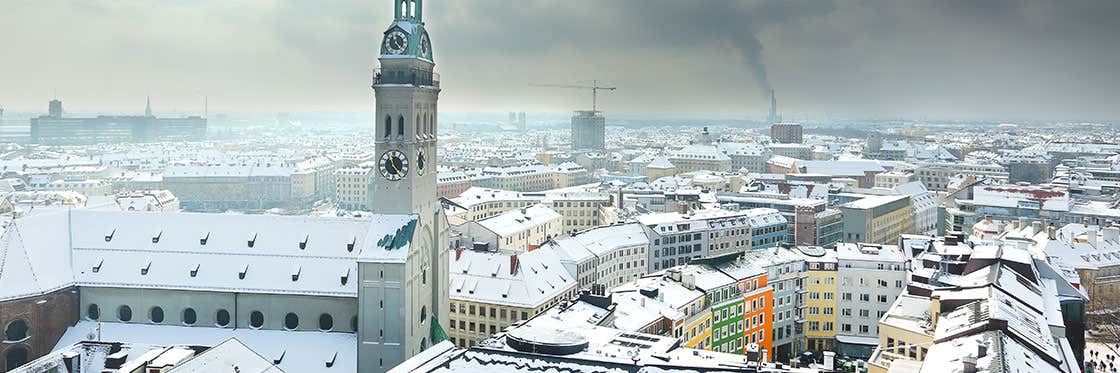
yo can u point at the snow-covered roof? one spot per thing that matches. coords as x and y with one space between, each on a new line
296 351
525 280
202 252
519 220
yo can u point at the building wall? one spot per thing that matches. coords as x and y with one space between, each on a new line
727 320
47 317
820 327
866 291
472 321
758 317
206 305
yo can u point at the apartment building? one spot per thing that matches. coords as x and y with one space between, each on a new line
609 255
352 186
492 290
580 210
937 176
811 222
870 278
877 219
757 301
677 238
820 298
786 274
517 230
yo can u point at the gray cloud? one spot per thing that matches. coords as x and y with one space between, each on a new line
926 58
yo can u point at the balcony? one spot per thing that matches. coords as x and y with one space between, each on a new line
414 77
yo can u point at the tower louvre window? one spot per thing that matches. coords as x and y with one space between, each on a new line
388 126
400 127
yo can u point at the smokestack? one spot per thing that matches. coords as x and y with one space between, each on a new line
773 117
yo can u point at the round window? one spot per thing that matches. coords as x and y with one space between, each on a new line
222 318
256 319
156 314
189 316
326 322
124 313
291 321
93 312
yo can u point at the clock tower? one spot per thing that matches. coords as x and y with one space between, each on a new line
406 91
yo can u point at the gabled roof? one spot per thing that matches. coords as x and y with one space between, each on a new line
202 252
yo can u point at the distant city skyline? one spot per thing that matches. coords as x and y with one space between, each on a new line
924 59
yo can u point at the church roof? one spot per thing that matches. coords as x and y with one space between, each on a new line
203 252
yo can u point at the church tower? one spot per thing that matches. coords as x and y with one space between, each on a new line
405 306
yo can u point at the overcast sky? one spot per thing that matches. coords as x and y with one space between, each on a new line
850 58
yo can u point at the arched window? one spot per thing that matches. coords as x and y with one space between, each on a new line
400 127
423 343
256 319
156 314
222 318
423 314
419 126
291 321
388 126
16 331
93 312
326 322
189 316
124 313
15 357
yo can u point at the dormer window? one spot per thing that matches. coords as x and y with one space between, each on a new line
350 245
303 244
295 273
155 238
205 237
345 276
244 271
252 240
145 268
97 267
194 271
109 237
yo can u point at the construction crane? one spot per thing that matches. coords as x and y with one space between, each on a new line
594 87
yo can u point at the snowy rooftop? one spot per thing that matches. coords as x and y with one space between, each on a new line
536 277
295 351
206 252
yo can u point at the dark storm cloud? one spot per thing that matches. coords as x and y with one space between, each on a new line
921 58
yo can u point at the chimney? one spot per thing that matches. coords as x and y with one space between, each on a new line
513 264
1022 223
1051 232
969 363
458 253
1036 227
934 310
1091 237
981 349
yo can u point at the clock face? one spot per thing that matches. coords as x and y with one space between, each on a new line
393 165
420 162
396 42
425 46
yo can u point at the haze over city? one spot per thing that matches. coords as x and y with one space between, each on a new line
998 59
643 186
